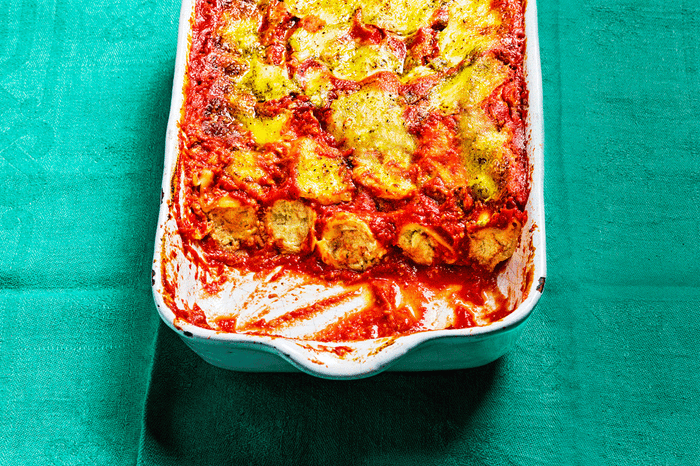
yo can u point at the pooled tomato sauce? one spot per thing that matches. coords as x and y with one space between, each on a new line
209 133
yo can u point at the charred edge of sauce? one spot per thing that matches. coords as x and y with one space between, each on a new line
540 284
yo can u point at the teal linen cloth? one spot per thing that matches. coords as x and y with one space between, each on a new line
606 372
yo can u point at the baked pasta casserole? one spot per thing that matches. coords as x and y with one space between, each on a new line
376 146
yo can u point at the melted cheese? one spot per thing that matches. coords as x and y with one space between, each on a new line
483 144
386 174
344 57
265 130
246 171
330 11
244 167
471 29
484 147
417 72
470 85
399 16
242 35
371 121
359 62
317 44
325 179
267 82
317 86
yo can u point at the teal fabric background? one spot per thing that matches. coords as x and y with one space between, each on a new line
608 368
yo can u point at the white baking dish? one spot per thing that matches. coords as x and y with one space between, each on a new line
521 281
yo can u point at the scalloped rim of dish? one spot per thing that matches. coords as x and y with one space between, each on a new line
291 350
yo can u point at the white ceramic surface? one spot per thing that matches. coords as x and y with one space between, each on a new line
430 350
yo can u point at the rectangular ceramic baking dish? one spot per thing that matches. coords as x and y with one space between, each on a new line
522 281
